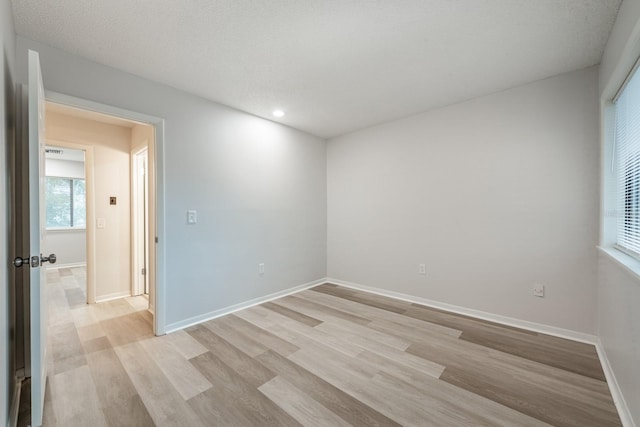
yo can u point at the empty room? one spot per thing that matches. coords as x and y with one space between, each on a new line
320 213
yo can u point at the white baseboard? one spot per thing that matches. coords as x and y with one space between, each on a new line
614 388
504 320
70 265
116 295
176 326
15 405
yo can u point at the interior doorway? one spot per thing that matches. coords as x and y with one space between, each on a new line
121 213
140 222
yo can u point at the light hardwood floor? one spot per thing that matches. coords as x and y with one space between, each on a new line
328 356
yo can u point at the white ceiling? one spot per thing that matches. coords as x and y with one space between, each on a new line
333 66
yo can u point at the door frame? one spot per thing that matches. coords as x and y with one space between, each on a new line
159 318
139 222
91 213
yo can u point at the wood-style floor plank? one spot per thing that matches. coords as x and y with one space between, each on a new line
297 333
242 342
333 398
261 335
324 356
564 354
182 375
538 390
81 405
367 299
374 313
161 399
244 366
118 397
247 402
299 404
319 311
292 314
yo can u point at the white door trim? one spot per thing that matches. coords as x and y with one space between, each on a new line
139 221
91 212
158 124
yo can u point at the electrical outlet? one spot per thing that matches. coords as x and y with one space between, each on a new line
261 268
538 290
422 269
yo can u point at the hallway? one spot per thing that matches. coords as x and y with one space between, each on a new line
84 371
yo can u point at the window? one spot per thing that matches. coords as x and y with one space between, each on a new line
65 200
627 166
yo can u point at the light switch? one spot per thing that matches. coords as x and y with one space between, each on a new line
192 217
102 223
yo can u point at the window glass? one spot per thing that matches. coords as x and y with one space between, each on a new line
65 201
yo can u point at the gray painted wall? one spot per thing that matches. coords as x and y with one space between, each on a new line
619 327
493 195
259 188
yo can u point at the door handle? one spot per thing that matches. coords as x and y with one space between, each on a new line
51 259
19 262
34 261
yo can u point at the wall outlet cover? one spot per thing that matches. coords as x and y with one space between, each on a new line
538 290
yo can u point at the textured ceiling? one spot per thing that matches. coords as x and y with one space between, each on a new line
333 66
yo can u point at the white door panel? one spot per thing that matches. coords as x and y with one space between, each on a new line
38 297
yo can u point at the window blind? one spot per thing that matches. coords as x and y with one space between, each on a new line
627 163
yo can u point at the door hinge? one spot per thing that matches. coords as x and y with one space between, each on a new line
156 240
143 271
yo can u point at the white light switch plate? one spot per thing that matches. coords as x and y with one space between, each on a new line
101 223
192 217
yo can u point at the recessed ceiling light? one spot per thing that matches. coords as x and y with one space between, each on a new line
278 113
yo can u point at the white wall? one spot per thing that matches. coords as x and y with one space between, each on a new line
493 195
70 246
259 188
7 41
619 288
619 327
64 168
111 147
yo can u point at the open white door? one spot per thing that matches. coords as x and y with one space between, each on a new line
38 296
